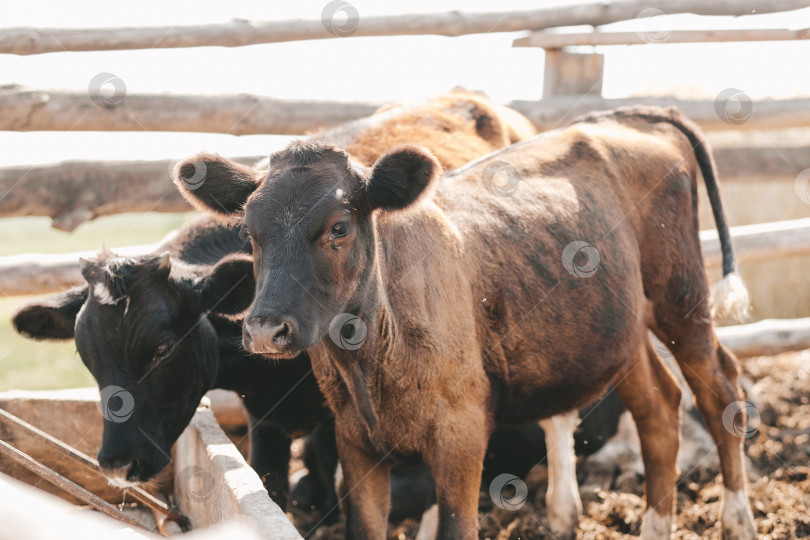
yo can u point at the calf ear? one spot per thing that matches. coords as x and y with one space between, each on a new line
216 185
51 318
228 287
401 177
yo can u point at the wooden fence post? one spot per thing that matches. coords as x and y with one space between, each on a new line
572 74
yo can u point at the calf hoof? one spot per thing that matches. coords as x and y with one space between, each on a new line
563 527
738 522
655 525
564 509
564 518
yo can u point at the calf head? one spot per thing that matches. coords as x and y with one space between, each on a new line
311 219
141 329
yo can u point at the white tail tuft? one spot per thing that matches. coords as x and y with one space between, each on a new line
730 301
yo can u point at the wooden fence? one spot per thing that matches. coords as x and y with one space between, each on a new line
73 192
23 109
36 273
238 33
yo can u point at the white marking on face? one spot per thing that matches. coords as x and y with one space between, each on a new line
339 194
655 525
562 498
102 294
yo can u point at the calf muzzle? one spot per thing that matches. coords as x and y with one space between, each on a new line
276 336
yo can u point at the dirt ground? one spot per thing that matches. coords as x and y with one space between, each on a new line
779 473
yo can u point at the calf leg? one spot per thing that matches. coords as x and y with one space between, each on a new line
429 524
562 497
321 458
456 458
651 394
366 481
711 372
270 458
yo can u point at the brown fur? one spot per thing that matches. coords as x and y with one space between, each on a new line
457 127
473 320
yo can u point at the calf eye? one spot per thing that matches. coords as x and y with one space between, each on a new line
164 350
340 229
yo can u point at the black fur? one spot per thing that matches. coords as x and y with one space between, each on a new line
401 177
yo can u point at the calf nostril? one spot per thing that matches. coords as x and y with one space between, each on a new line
282 335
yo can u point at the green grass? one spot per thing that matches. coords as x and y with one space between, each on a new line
34 234
36 365
26 364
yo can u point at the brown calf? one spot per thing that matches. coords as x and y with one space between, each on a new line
431 318
456 127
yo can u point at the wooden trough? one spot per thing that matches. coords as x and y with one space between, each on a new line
208 480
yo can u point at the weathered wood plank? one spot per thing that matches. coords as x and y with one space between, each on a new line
56 479
760 242
213 483
24 109
159 507
72 192
572 74
768 337
79 425
548 40
237 33
35 273
75 192
765 114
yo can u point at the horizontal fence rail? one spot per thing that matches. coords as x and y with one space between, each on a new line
237 33
74 192
711 115
25 109
37 273
767 337
549 40
34 273
760 242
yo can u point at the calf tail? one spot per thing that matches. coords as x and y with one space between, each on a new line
729 299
